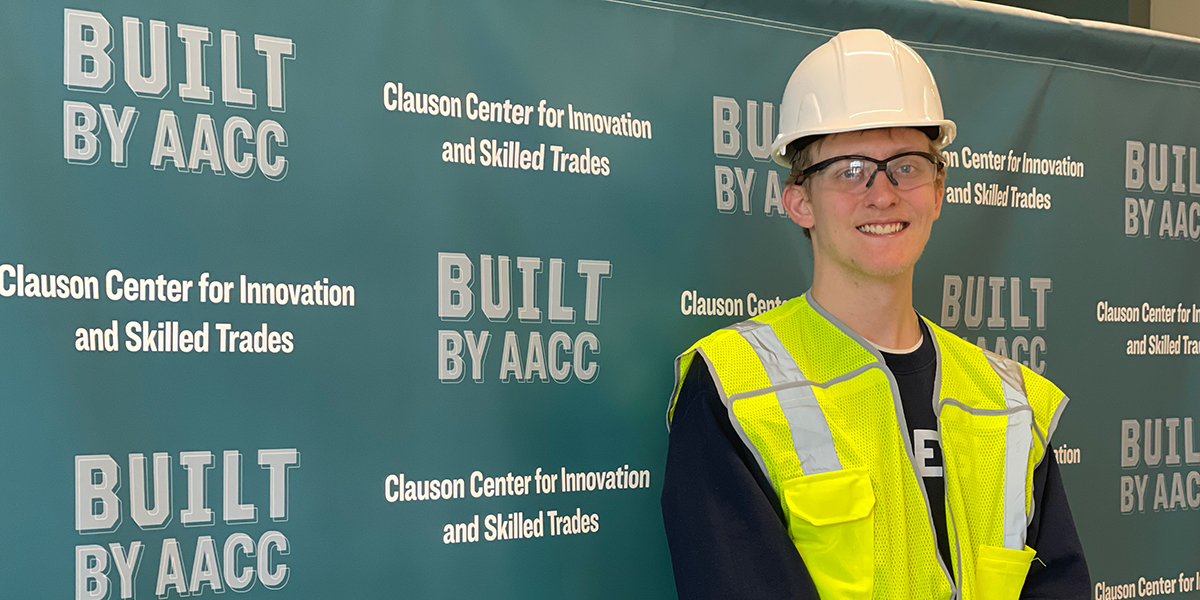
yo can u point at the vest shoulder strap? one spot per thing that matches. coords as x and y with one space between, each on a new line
727 350
722 345
1019 383
1047 401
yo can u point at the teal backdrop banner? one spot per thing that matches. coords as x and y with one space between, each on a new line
380 299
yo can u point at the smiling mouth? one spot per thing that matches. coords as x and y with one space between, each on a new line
883 229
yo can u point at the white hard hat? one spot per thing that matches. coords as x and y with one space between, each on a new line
860 79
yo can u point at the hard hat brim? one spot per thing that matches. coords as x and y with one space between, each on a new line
779 148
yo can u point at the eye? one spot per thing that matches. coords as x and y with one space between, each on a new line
909 166
851 172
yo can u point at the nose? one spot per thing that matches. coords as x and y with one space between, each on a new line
883 194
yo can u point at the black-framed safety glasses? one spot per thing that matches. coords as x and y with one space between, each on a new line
855 173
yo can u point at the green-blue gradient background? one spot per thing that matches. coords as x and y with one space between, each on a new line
368 202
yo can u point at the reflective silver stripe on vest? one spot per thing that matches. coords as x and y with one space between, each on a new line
810 431
1017 443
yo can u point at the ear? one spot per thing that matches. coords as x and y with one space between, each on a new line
798 204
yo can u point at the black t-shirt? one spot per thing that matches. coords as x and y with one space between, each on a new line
727 532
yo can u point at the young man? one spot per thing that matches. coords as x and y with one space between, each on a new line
840 446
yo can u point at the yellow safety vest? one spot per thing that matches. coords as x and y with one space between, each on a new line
820 411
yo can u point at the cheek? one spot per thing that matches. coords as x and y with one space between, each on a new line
840 213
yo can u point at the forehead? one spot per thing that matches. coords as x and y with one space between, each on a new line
876 143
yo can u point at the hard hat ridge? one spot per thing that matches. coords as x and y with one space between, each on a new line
859 79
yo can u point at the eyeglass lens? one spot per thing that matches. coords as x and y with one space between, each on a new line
855 174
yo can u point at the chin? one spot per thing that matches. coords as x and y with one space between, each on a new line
881 272
884 269
883 263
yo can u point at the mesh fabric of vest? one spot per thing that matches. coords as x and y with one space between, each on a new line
1045 398
861 414
973 451
974 446
738 370
862 418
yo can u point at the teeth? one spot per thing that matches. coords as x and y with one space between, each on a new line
882 229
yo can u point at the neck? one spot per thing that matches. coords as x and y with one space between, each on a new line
878 309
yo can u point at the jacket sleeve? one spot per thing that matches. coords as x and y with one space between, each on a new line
1060 571
723 521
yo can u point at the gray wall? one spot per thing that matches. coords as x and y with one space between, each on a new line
1176 16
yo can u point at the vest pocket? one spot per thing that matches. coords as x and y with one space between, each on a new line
1000 572
831 522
